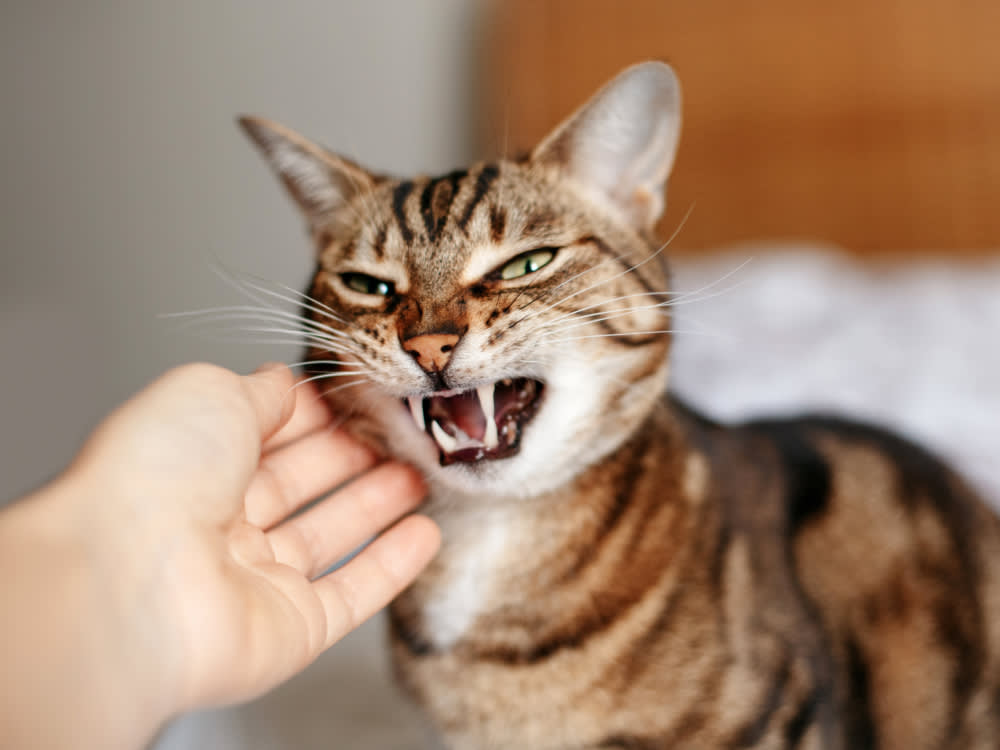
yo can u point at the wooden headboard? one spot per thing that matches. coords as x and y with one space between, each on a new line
872 124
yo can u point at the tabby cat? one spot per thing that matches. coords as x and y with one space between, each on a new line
619 571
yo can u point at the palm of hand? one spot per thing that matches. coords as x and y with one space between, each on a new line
216 499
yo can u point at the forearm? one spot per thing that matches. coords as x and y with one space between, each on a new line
73 676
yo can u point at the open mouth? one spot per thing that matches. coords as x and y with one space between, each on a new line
485 423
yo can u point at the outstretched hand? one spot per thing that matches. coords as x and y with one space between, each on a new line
191 507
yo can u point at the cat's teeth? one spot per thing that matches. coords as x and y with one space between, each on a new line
447 442
490 438
417 410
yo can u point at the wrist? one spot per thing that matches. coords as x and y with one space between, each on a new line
74 651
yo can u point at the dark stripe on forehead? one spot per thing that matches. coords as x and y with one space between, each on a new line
378 244
436 200
426 196
539 222
498 223
487 176
399 196
348 248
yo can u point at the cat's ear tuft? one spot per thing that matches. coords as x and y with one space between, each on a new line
318 180
620 145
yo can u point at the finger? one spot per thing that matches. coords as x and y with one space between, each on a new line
310 414
333 528
269 391
355 592
292 476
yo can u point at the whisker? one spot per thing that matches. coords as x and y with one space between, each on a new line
302 297
334 362
682 299
601 317
621 298
279 336
306 335
330 391
629 333
219 336
679 299
628 270
216 315
249 282
321 376
560 285
249 312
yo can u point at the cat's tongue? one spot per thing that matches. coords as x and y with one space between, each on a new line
463 411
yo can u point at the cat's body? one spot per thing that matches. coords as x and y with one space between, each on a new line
653 604
618 572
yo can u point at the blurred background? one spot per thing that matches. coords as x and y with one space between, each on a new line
840 165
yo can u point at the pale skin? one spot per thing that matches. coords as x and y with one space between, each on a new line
161 572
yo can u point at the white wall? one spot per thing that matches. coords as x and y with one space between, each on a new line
124 177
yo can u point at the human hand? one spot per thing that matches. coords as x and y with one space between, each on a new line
205 581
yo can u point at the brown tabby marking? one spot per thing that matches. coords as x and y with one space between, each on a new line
622 572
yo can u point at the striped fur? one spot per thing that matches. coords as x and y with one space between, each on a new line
636 576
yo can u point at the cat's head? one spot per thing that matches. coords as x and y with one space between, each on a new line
500 327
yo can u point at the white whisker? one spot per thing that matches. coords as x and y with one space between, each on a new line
594 318
621 298
683 299
246 282
627 271
322 376
342 386
331 362
224 314
628 333
249 312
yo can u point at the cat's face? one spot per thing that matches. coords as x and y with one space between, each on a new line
502 327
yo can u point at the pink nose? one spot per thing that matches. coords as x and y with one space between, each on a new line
432 350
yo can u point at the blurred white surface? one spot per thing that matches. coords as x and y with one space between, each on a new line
798 328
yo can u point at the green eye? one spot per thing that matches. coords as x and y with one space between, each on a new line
365 284
526 263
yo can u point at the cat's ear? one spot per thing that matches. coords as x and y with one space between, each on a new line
620 145
318 180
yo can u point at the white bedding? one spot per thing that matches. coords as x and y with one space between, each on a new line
914 347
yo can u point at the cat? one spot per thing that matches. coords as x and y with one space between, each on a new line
619 571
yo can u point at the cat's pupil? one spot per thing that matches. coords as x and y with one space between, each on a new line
365 284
